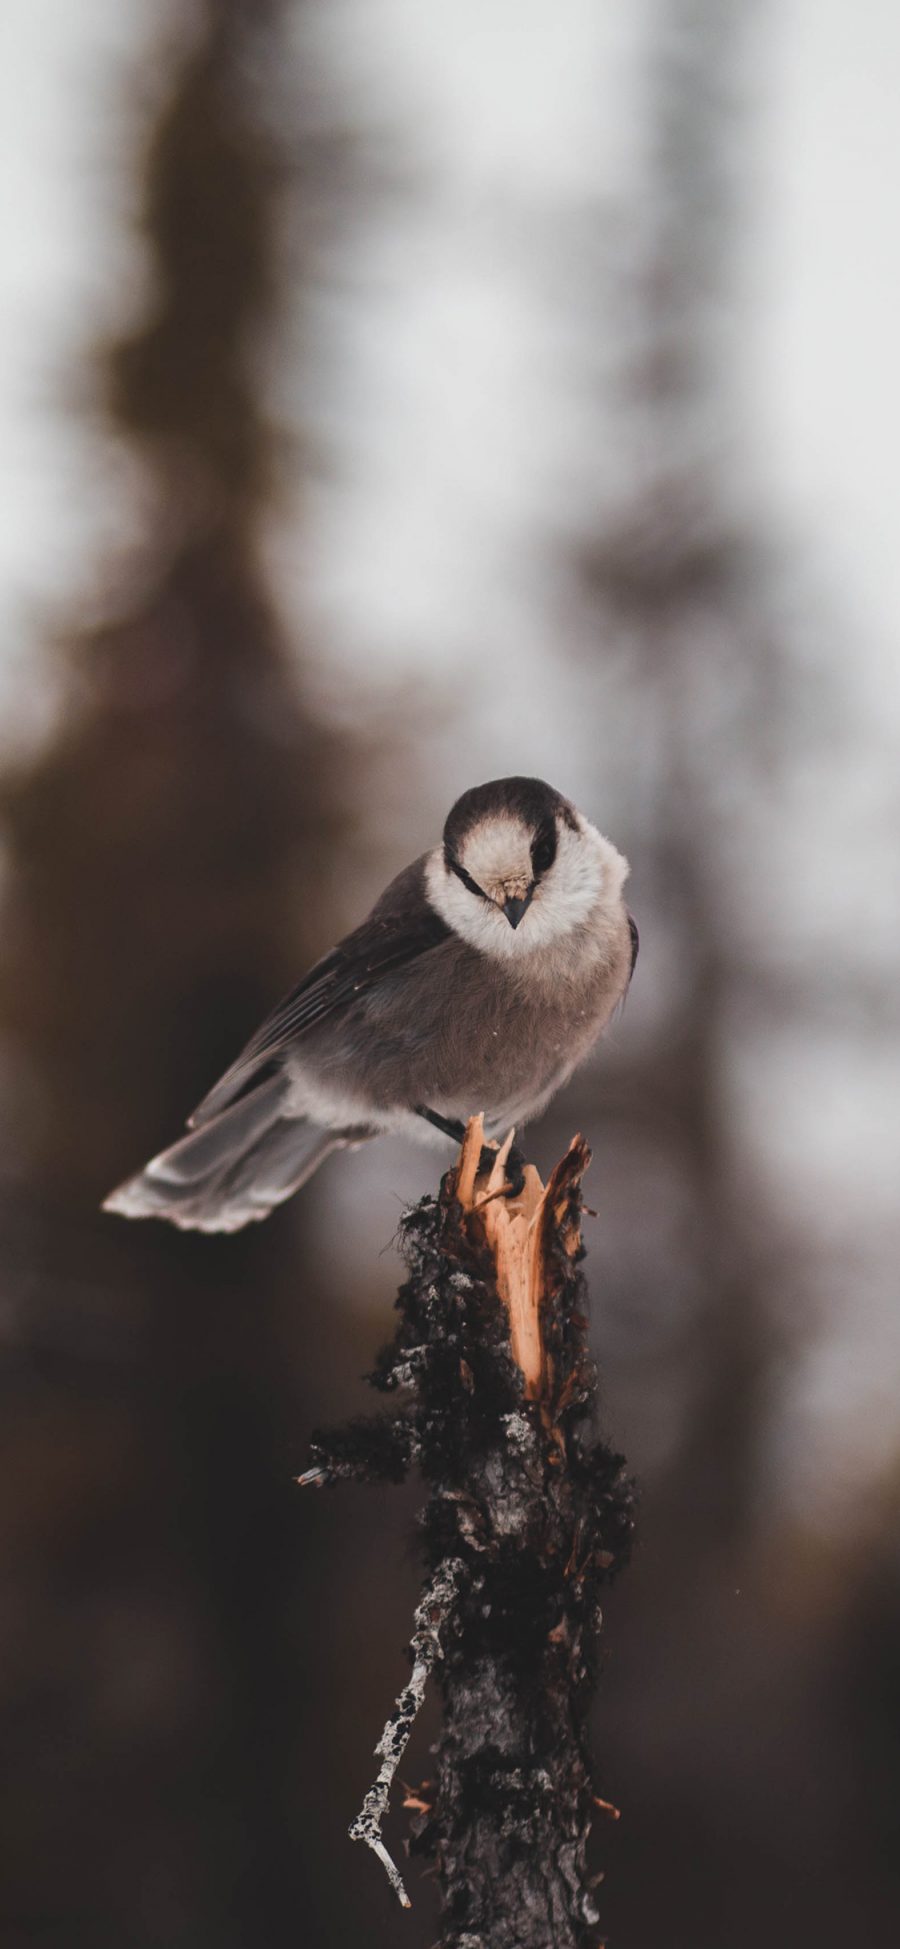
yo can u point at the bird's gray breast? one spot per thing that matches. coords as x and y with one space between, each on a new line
461 1033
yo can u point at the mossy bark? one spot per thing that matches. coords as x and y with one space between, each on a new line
534 1514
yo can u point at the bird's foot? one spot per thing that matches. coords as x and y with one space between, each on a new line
514 1169
515 1162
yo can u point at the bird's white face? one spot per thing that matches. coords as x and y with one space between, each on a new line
508 892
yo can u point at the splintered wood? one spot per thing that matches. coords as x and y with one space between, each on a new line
518 1229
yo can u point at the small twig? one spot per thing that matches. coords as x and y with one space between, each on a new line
430 1617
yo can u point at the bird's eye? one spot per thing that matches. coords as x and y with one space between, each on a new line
466 878
543 853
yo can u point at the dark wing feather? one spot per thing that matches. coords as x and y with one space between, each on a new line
400 928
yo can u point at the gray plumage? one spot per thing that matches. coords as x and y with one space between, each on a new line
481 978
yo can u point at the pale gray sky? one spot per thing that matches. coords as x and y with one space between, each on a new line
504 104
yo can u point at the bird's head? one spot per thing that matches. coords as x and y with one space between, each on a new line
519 867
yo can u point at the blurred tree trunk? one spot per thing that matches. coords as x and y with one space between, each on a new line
672 577
677 580
168 871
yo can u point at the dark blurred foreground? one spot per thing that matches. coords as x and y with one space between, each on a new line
195 1660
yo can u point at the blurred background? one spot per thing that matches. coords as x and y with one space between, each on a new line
393 397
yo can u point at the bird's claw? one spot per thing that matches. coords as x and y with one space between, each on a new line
515 1172
514 1169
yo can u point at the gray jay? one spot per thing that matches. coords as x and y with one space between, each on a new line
481 978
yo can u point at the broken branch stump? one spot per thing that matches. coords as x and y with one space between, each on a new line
528 1517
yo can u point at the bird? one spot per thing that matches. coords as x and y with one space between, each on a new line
481 978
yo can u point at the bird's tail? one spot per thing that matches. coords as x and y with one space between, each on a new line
232 1169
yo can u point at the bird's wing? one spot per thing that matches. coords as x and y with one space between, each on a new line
399 930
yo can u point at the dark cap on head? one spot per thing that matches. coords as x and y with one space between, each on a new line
528 799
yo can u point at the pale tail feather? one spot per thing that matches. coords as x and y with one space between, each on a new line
233 1169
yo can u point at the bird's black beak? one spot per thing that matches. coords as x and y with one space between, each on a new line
514 909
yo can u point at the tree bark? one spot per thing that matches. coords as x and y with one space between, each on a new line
527 1519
